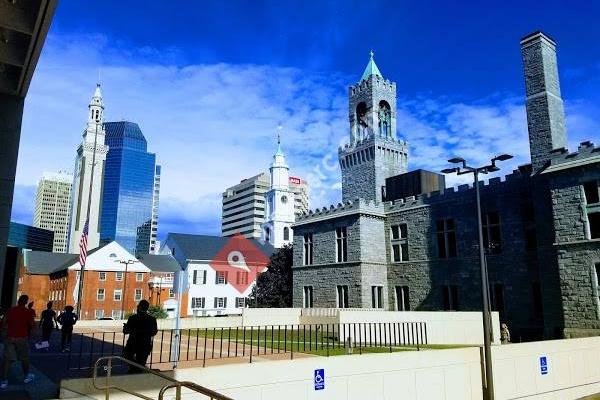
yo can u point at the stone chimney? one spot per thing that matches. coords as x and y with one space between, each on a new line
545 112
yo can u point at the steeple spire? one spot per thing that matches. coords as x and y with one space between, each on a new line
371 68
279 150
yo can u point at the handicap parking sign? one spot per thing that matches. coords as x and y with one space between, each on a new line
543 365
319 379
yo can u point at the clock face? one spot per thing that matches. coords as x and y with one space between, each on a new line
284 199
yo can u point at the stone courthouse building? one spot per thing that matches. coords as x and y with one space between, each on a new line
416 248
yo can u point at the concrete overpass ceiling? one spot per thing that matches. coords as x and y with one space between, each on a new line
23 28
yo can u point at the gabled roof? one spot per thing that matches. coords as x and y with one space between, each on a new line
103 258
205 247
371 69
159 262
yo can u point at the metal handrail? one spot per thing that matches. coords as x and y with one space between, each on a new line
174 382
191 385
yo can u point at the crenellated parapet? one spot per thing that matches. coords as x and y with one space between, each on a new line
374 82
561 158
456 193
356 206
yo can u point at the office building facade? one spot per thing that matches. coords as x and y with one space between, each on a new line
52 207
244 204
129 193
154 242
21 237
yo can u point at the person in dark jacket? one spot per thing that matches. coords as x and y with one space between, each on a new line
67 319
48 322
141 328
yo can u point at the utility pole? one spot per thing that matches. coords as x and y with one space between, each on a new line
485 292
126 262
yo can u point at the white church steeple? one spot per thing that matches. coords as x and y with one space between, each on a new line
88 174
279 212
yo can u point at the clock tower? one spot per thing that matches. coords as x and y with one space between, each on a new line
279 211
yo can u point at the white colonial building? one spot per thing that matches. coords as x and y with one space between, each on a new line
217 273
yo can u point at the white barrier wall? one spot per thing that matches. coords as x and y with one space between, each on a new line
270 316
441 374
443 327
185 323
573 369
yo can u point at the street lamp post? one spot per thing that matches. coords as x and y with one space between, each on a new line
126 262
485 293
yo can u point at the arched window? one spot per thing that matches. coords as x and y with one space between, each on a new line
267 234
361 120
286 233
385 119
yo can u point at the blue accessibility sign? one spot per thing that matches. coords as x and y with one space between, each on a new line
319 379
543 365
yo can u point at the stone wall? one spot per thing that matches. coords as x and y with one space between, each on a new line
515 268
367 163
577 254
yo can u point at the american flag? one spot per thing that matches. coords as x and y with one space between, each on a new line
83 244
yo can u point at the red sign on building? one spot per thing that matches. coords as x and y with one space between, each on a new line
293 179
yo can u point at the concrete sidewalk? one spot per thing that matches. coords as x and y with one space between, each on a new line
40 389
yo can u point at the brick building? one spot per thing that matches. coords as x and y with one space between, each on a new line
541 224
111 287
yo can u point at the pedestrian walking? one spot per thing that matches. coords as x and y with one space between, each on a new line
16 327
141 328
47 324
67 319
33 315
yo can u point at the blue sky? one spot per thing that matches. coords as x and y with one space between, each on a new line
208 82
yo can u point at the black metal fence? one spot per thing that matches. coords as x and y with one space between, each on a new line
199 347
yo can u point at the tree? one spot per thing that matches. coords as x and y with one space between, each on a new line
274 287
157 312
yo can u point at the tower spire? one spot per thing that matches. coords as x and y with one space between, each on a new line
371 68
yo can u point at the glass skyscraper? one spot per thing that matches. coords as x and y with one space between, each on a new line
127 198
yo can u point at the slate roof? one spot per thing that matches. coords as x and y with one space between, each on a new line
45 263
205 247
160 262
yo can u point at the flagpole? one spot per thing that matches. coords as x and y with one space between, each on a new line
87 218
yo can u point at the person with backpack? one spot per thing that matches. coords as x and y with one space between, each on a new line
141 328
48 322
67 319
17 325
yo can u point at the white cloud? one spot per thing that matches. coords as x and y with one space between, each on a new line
213 125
